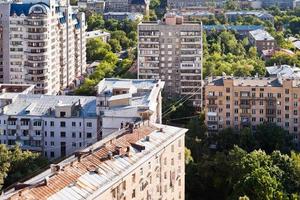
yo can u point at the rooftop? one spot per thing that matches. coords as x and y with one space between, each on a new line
140 91
97 168
41 105
245 12
97 33
261 35
232 27
252 81
284 71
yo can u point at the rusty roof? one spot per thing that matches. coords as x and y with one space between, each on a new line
97 169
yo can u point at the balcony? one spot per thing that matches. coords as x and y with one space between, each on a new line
211 97
245 106
12 126
12 137
212 114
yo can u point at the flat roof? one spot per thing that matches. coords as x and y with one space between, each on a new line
39 105
260 34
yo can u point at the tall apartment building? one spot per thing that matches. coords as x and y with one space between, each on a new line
171 50
43 44
59 125
137 162
247 102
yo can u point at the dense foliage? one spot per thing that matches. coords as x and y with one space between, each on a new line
115 57
237 164
16 164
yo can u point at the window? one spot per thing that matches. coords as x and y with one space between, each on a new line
62 134
89 135
133 178
89 124
62 114
52 134
73 134
62 124
133 193
52 143
287 91
227 90
80 135
227 98
124 185
278 95
73 144
73 123
172 148
45 133
52 123
52 154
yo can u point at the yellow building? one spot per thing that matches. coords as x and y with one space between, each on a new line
238 102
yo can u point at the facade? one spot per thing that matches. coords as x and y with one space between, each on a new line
262 40
171 50
247 102
43 44
123 16
144 162
53 125
104 36
57 126
262 15
282 4
126 100
97 6
241 30
131 6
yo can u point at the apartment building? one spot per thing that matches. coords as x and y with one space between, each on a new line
124 100
141 161
233 16
171 50
57 126
97 6
53 125
247 102
131 6
43 43
262 40
282 4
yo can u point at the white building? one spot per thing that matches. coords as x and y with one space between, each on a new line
104 36
146 162
57 126
124 100
43 43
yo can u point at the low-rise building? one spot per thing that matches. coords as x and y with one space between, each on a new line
262 15
120 101
141 161
57 126
131 6
241 30
238 102
262 40
123 16
281 4
97 6
104 36
269 53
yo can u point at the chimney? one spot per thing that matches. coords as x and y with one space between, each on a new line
54 168
46 180
128 151
109 155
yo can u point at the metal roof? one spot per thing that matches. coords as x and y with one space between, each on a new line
261 35
95 172
39 105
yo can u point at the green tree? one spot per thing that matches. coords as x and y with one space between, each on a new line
4 163
96 49
115 45
95 22
252 52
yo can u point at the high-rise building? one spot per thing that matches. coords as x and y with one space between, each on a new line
238 102
58 125
171 50
43 43
140 161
